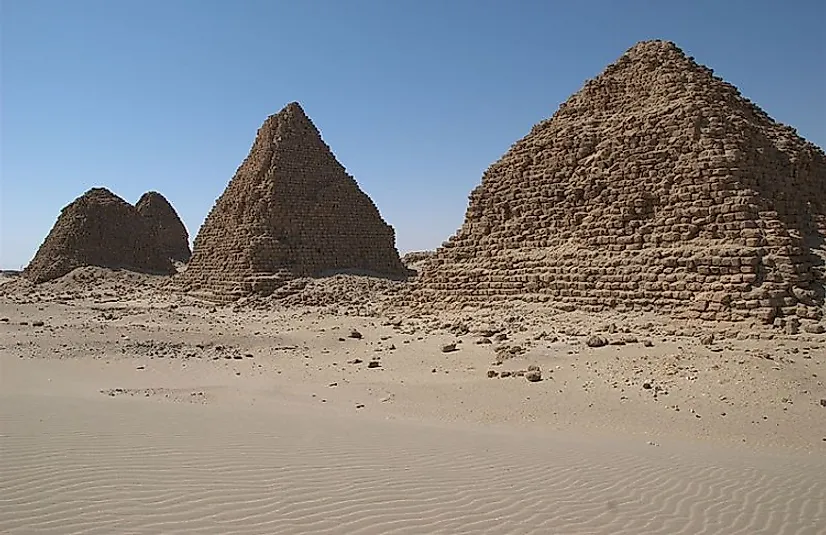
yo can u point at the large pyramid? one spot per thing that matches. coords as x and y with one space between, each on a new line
655 187
171 234
98 229
291 210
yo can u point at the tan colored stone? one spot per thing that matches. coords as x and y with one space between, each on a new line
291 210
98 229
653 183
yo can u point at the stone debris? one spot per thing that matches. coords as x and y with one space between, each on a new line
99 229
657 187
596 341
290 211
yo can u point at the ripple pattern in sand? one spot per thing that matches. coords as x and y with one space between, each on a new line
70 467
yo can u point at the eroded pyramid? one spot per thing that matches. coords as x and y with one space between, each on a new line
291 210
171 234
98 229
655 187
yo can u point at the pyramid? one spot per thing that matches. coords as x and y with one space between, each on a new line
656 187
98 229
291 210
171 234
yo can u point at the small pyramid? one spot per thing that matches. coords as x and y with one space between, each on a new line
291 210
655 187
98 229
171 234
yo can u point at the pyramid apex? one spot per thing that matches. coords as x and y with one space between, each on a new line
293 106
657 51
652 45
293 109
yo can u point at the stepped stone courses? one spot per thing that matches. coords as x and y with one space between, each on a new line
172 237
291 210
656 187
98 229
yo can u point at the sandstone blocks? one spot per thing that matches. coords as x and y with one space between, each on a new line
171 234
291 210
656 187
99 229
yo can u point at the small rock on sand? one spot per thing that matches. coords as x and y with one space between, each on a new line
533 376
596 341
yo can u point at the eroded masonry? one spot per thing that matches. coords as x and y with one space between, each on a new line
658 186
99 229
291 210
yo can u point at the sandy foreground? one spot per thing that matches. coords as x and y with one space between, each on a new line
127 409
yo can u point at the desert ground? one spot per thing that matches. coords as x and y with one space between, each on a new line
128 407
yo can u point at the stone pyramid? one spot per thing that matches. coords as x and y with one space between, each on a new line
291 210
655 187
98 229
171 234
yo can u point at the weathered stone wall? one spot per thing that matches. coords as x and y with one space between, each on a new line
656 187
291 210
171 234
98 229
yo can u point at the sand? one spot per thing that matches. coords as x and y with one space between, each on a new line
135 410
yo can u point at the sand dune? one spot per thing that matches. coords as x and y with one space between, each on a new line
103 465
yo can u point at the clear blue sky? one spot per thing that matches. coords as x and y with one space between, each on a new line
416 97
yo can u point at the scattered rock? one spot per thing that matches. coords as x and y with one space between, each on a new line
814 328
646 386
533 376
373 364
707 339
596 341
37 323
492 374
355 335
449 348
